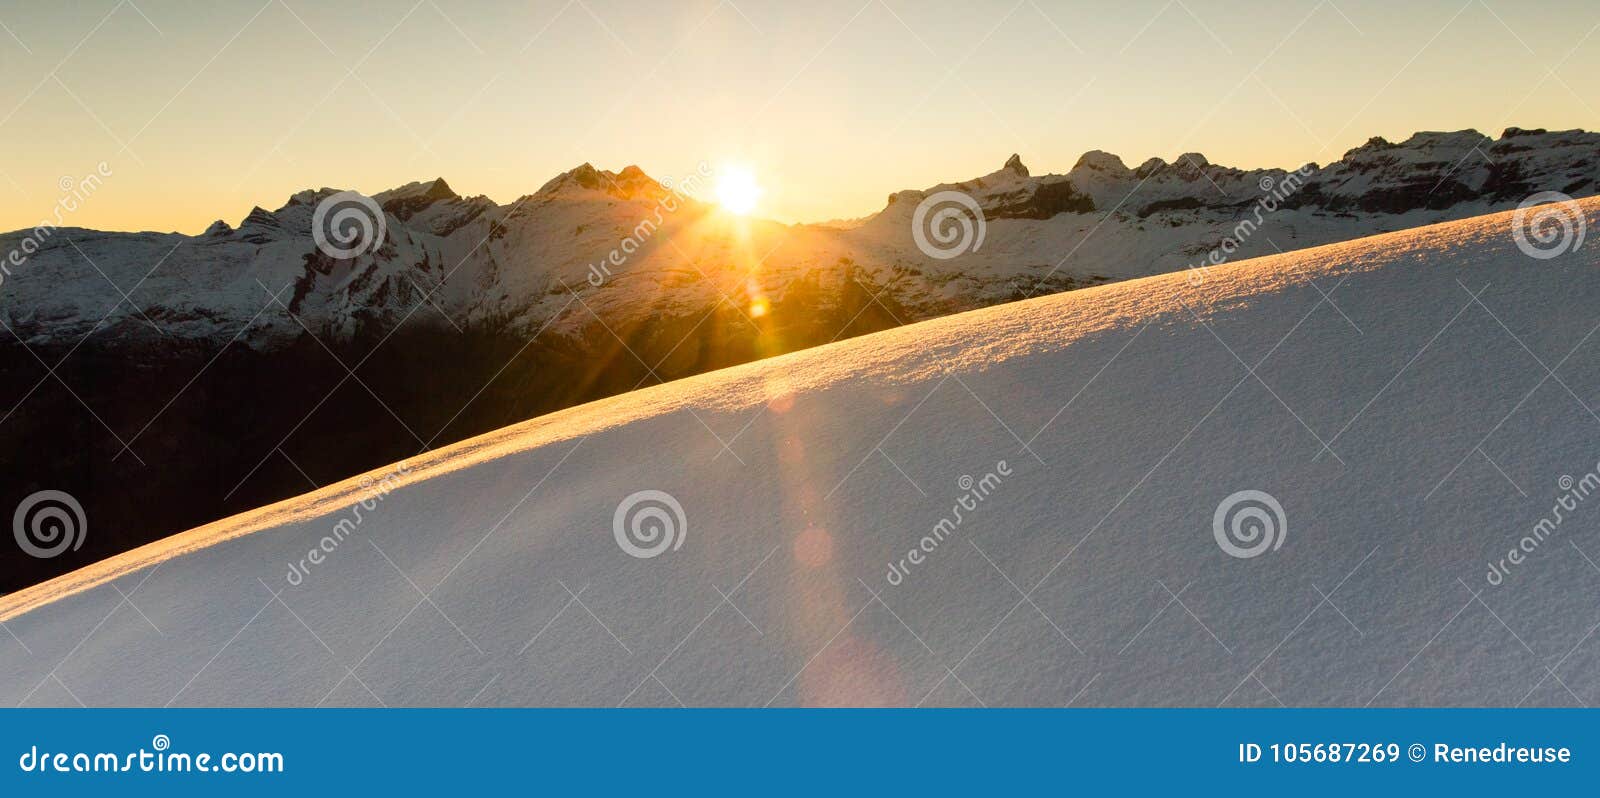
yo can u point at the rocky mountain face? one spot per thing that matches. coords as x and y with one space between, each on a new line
166 380
1429 171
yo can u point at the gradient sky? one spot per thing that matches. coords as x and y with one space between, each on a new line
203 109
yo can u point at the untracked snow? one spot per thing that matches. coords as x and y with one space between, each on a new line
1416 402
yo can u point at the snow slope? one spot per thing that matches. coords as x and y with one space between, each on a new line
1416 402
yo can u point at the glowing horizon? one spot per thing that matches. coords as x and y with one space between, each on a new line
831 106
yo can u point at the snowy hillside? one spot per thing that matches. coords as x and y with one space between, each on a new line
229 370
1043 503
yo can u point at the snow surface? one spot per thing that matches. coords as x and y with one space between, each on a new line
1413 400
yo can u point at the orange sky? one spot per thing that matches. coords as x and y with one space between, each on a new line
201 110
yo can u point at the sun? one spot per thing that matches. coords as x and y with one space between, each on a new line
737 191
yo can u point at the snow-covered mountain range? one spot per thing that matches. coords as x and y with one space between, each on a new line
512 267
1320 478
224 371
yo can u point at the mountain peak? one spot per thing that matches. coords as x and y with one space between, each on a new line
433 189
260 216
1014 164
1100 161
1149 167
582 176
427 191
630 183
260 226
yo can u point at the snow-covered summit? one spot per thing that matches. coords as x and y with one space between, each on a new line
422 192
629 184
